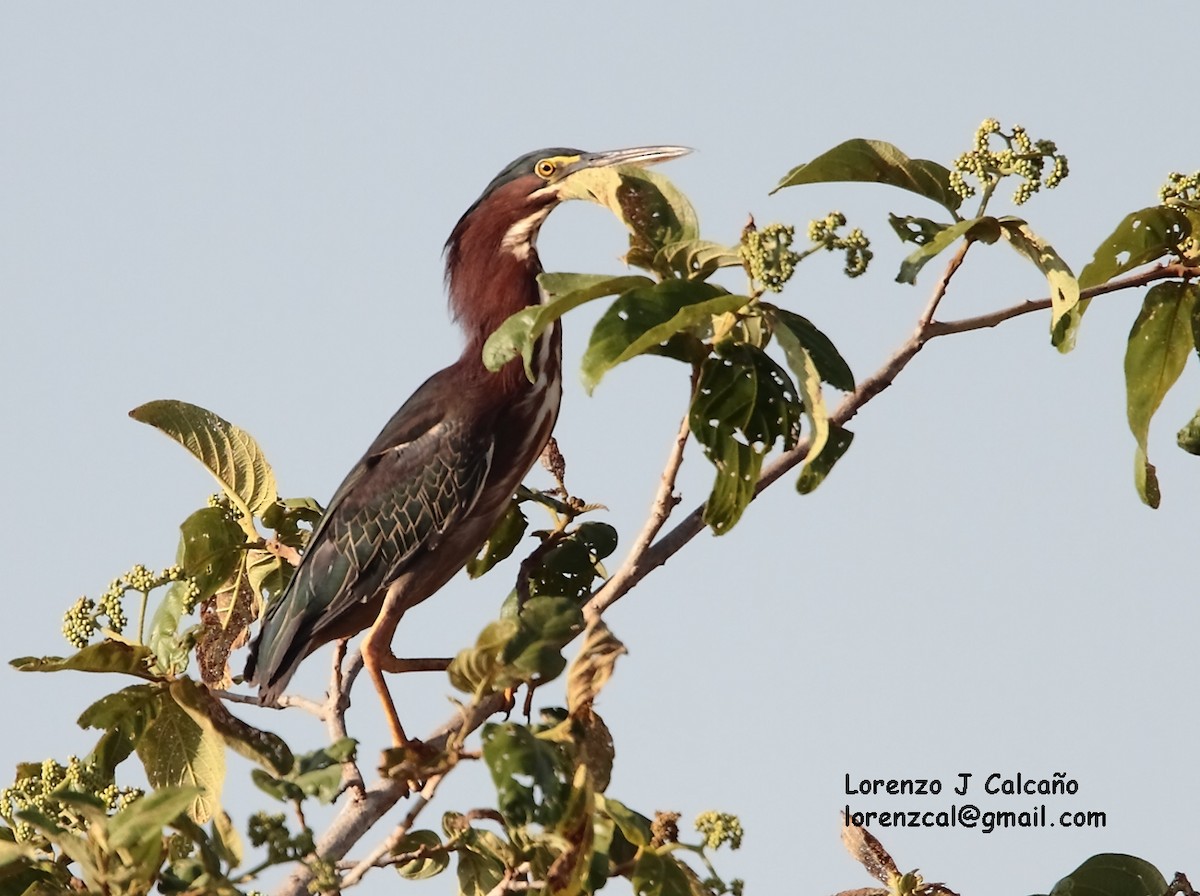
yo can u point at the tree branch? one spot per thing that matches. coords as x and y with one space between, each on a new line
357 817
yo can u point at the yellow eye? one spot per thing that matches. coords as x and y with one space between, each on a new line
545 169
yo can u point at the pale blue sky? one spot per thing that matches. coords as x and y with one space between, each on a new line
243 206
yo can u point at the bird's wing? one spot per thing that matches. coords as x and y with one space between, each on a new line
423 472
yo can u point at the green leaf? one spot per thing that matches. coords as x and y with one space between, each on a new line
1112 874
573 563
124 717
744 403
660 875
831 366
178 751
532 776
643 319
652 208
1141 237
698 259
512 651
874 161
912 229
316 774
1159 344
210 547
434 861
263 747
144 818
107 656
226 840
518 335
480 866
818 468
502 541
984 230
171 653
1065 312
227 451
808 381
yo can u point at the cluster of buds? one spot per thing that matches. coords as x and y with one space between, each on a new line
718 828
1019 157
824 235
1181 190
767 254
86 616
37 787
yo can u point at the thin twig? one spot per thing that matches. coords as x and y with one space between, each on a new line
377 857
283 701
665 500
337 701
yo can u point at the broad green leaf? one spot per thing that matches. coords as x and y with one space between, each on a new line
984 230
532 776
316 774
502 541
633 825
144 818
226 840
1065 312
818 468
1141 237
1158 347
1112 874
124 717
178 751
228 452
478 669
518 335
874 161
211 545
107 656
481 862
259 746
643 319
831 366
652 208
913 229
744 403
434 861
660 875
573 563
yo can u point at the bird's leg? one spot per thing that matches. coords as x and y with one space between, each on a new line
378 657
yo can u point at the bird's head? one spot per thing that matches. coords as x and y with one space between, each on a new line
492 250
507 215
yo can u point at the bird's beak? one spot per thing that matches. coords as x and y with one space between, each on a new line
640 156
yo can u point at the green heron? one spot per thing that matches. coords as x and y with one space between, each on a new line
427 493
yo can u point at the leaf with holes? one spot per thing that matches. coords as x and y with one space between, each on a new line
744 402
227 451
983 230
697 259
1141 237
808 381
831 366
532 776
1065 312
643 319
653 209
818 468
874 161
518 335
1159 344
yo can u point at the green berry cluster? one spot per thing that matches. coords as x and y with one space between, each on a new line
718 828
38 785
83 619
1020 157
220 499
824 234
1181 190
271 830
768 256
